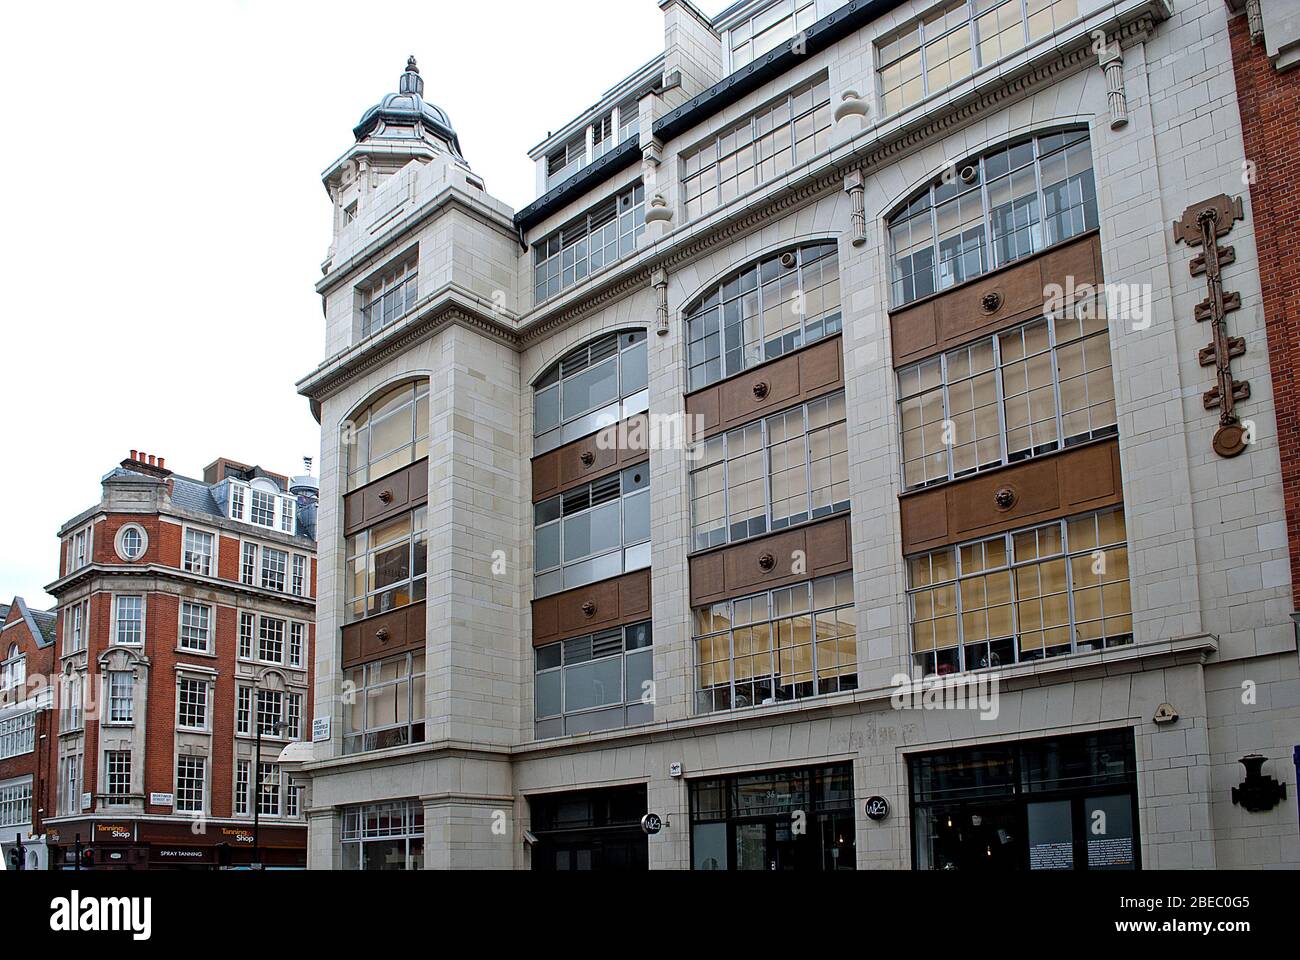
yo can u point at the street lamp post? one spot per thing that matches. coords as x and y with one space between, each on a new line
278 727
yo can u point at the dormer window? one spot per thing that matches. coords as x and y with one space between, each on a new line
262 504
767 29
389 296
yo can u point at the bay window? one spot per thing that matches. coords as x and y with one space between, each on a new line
594 682
783 302
769 143
771 474
1044 591
604 234
592 387
949 43
785 644
386 566
388 705
388 434
1038 387
991 211
592 532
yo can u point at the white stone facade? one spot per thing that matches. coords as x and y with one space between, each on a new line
1206 536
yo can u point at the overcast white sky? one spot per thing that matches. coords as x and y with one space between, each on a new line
166 222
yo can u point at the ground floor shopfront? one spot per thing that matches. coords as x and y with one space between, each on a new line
138 844
1133 765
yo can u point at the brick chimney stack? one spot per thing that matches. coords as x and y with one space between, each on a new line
146 463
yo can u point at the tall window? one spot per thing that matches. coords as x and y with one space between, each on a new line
247 626
278 713
595 682
771 142
386 565
299 575
592 532
388 709
297 643
274 564
1046 591
129 621
196 627
390 433
13 672
389 296
248 564
79 549
191 780
770 474
70 716
786 644
268 789
70 783
596 385
270 640
605 233
768 29
949 43
121 696
197 556
992 211
384 836
17 735
243 776
74 628
117 776
774 306
192 703
1031 390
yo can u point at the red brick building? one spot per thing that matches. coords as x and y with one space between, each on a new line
185 627
1266 62
26 664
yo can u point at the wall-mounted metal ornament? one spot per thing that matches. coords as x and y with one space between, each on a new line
1257 792
1201 225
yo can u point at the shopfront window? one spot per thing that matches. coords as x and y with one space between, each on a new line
800 819
383 836
589 830
1056 804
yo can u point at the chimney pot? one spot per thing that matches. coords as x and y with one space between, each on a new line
135 454
162 463
151 463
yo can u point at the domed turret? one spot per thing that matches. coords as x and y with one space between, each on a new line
400 115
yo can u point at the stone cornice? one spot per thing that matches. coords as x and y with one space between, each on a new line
172 575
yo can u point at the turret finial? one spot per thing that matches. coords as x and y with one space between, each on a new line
411 82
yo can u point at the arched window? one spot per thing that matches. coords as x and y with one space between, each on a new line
771 307
598 384
14 671
389 433
992 210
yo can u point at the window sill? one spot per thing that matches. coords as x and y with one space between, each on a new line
1003 467
196 653
705 551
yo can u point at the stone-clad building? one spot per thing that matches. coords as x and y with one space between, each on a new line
844 343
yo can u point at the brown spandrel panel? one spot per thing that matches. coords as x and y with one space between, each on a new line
775 560
385 635
598 606
1013 294
386 497
1048 488
608 450
795 378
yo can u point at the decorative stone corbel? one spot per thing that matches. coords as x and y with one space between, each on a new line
1111 61
1254 21
851 114
659 280
652 154
856 189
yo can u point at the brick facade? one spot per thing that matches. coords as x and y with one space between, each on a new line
1269 100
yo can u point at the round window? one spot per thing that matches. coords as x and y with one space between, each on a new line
131 541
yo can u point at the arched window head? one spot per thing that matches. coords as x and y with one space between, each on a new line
598 384
773 306
387 434
13 651
991 210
